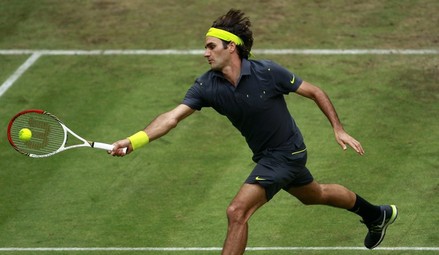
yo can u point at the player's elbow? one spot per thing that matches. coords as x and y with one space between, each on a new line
317 94
172 123
169 121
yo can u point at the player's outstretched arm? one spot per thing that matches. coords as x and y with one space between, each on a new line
159 127
308 90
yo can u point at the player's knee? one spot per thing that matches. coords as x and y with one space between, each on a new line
236 214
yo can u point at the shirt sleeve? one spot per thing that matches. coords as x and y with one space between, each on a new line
194 97
286 81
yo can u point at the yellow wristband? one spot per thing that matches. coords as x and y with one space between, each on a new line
139 139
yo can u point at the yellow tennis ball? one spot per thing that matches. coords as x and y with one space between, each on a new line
25 134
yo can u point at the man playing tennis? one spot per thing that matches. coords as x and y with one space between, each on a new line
250 94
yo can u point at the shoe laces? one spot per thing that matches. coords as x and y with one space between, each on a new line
374 228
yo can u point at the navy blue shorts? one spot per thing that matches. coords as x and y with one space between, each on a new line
280 169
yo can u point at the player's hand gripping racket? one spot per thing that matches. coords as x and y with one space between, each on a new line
45 135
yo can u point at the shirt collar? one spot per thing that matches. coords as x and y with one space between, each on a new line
245 69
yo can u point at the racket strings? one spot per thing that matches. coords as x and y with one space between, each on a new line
47 133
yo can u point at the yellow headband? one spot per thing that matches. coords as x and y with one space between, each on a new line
224 35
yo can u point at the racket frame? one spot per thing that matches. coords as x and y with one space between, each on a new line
63 147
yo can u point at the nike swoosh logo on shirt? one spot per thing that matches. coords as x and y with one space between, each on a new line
293 80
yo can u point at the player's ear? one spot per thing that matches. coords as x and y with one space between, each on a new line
232 47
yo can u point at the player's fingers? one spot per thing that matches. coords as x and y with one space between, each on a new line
357 147
121 148
116 151
360 149
342 144
120 152
354 144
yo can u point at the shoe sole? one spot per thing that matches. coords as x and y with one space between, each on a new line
391 220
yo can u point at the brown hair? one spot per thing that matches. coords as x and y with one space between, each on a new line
235 22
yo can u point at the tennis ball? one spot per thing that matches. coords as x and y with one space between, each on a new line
25 134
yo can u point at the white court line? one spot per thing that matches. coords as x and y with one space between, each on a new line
340 248
19 72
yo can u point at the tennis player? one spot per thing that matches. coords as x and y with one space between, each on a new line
250 93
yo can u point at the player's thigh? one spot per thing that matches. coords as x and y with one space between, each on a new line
311 193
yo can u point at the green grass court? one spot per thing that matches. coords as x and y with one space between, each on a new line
174 192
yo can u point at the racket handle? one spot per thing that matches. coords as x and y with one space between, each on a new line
105 146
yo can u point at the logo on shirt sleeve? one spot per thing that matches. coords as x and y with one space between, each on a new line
293 80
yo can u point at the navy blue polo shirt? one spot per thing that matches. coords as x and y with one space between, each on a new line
256 106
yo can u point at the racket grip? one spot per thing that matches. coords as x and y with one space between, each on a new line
105 146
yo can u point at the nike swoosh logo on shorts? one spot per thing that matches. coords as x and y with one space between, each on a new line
260 179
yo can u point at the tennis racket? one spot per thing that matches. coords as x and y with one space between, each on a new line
48 137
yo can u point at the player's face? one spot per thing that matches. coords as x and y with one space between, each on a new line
216 55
